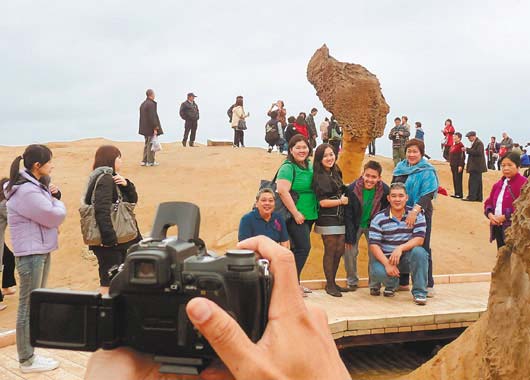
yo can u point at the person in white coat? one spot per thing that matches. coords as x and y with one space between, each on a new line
238 123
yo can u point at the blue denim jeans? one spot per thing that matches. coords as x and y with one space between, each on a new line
415 261
33 272
350 257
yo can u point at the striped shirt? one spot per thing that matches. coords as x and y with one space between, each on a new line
388 232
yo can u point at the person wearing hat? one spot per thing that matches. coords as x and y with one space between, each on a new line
189 111
476 165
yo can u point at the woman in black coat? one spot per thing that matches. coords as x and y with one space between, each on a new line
104 182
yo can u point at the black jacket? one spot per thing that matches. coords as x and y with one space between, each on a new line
353 211
106 195
476 161
189 111
149 119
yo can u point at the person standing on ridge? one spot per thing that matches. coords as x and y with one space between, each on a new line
476 165
448 133
399 136
149 127
189 112
312 128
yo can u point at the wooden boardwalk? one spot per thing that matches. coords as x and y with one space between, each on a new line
457 304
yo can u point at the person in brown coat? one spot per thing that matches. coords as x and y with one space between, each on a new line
476 165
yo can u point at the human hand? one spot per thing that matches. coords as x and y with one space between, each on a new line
53 189
299 218
396 256
460 168
392 270
119 180
494 220
411 218
344 200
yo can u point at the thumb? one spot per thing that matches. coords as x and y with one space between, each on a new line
222 332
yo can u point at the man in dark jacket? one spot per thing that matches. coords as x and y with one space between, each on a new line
366 197
149 127
476 165
189 112
311 127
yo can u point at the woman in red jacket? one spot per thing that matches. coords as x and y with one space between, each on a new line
301 126
448 132
499 207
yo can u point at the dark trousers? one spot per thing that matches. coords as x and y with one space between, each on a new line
475 186
498 234
335 144
446 152
404 277
8 274
299 234
190 128
239 137
371 148
149 155
457 181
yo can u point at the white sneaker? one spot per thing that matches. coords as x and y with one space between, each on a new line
155 163
40 364
143 163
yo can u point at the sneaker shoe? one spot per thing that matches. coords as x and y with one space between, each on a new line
375 292
284 153
143 163
305 290
389 292
40 364
155 163
430 292
403 288
420 300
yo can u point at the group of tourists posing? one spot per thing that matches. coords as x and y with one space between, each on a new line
396 220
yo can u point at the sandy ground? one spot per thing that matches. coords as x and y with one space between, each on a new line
223 182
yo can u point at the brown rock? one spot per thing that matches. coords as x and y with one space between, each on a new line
353 95
498 345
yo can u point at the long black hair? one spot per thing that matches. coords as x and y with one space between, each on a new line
318 168
34 153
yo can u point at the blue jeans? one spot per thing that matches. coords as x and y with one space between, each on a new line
33 272
350 257
415 261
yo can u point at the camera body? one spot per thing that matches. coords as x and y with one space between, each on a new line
145 308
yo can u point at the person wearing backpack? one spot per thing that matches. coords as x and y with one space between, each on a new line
237 122
273 133
335 136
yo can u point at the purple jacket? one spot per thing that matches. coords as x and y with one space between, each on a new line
512 192
33 216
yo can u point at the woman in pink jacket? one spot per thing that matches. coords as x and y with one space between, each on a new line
499 207
34 212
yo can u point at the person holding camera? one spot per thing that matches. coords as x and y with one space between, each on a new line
399 135
296 344
103 183
329 190
34 213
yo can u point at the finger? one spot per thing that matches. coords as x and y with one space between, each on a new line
222 332
286 297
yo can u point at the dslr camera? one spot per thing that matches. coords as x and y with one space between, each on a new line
145 308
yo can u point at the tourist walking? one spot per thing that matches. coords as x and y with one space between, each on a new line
367 196
499 206
448 133
238 123
492 152
329 190
324 130
296 175
189 112
149 127
105 187
263 220
421 183
399 136
457 161
34 213
476 165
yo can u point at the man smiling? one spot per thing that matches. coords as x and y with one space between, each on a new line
398 248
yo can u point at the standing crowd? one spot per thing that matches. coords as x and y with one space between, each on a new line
395 219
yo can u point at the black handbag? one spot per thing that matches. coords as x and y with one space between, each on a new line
242 125
279 207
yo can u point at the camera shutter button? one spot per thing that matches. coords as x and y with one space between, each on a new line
188 279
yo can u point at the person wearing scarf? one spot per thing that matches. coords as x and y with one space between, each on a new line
421 183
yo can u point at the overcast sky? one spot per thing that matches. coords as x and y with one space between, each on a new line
76 69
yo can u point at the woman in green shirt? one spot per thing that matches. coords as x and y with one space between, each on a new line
296 174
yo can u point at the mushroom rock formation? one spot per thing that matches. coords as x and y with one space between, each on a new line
353 95
497 346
